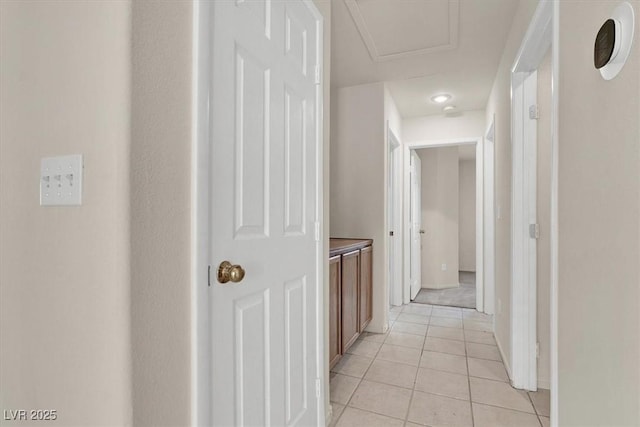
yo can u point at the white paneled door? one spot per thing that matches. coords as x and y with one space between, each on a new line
265 131
416 223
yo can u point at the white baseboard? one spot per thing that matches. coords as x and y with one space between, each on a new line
505 361
328 414
441 286
376 330
544 383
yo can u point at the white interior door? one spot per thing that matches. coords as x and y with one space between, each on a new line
391 224
416 223
264 213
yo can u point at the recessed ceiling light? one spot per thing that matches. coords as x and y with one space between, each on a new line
441 98
449 109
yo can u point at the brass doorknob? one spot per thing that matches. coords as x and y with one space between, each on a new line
229 272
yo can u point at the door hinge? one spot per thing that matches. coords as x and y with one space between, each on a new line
318 387
317 75
209 276
534 231
534 114
391 233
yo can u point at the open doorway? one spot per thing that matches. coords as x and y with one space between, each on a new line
443 227
444 207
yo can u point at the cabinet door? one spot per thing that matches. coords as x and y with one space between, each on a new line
335 344
350 284
366 286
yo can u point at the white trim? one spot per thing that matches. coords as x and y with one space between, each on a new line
540 36
545 384
489 219
394 160
200 377
320 243
361 26
523 246
441 286
480 258
480 200
505 361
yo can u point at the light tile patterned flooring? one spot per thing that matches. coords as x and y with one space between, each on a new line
438 366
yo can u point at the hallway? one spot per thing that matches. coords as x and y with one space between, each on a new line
437 366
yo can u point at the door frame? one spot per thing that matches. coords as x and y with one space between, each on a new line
413 157
201 167
490 220
524 338
481 170
541 36
394 204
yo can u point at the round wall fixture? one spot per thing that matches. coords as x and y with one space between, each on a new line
613 42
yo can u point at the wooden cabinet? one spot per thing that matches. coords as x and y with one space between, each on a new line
350 297
366 286
350 293
335 339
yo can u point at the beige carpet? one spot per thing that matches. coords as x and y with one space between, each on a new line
462 296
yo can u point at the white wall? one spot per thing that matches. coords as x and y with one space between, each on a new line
358 182
439 217
437 127
599 227
499 104
467 215
65 344
161 220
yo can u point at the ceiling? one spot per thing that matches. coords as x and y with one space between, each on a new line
421 47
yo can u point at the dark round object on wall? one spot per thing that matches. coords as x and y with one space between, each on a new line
605 44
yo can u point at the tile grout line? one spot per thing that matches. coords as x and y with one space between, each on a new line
418 367
360 379
534 407
413 391
466 359
415 378
360 383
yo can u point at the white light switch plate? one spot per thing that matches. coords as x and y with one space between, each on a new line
61 181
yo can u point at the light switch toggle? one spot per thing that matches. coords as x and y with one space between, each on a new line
65 173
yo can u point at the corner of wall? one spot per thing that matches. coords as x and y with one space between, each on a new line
161 220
